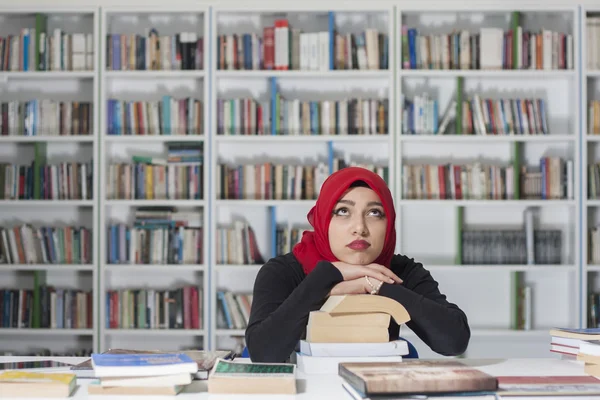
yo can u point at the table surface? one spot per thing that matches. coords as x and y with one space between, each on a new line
330 387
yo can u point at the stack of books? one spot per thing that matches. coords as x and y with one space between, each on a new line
351 328
579 344
145 374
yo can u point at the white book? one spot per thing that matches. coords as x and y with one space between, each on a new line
313 365
393 348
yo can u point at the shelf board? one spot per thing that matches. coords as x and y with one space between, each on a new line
302 138
327 74
8 75
174 74
238 267
45 332
46 267
158 202
497 267
594 73
230 332
154 267
154 138
486 138
591 138
265 203
500 73
48 138
592 202
46 203
498 203
493 332
592 267
156 332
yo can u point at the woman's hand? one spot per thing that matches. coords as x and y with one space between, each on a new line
354 286
351 272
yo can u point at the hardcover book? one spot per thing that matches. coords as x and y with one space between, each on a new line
416 377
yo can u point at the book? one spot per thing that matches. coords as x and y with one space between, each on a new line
365 303
574 333
36 384
95 387
204 358
354 319
106 365
394 348
548 386
415 377
252 378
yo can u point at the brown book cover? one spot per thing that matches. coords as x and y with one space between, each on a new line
416 377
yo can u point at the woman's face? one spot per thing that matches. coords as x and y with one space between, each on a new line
357 228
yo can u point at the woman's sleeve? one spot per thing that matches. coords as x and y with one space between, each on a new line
442 325
280 309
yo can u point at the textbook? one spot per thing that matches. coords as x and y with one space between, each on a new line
416 377
354 319
252 378
106 365
36 384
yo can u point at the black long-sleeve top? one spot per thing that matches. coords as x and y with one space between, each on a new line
284 296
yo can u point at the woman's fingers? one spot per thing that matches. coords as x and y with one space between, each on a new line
386 271
373 273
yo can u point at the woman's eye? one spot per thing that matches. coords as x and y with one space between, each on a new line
377 213
341 211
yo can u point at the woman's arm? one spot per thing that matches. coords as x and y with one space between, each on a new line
281 303
443 326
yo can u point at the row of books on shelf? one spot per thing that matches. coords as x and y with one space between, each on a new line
34 49
176 308
43 181
352 116
157 242
236 244
593 118
159 235
281 182
46 117
488 49
154 51
593 310
179 175
507 246
46 307
594 245
475 116
233 309
551 179
592 40
27 244
167 116
284 47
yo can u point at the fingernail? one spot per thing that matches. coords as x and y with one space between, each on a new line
391 280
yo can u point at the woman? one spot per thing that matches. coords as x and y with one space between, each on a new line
350 251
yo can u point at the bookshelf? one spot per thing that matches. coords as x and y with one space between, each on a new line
432 230
297 85
49 133
589 92
154 91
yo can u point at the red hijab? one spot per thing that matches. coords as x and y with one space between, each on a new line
314 246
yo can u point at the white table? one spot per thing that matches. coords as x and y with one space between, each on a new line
329 386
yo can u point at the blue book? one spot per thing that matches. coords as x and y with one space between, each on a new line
142 364
575 333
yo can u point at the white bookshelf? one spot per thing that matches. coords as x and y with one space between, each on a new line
429 228
67 85
426 229
299 83
139 83
590 69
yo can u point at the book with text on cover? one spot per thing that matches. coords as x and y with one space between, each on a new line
142 364
416 377
36 384
229 377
